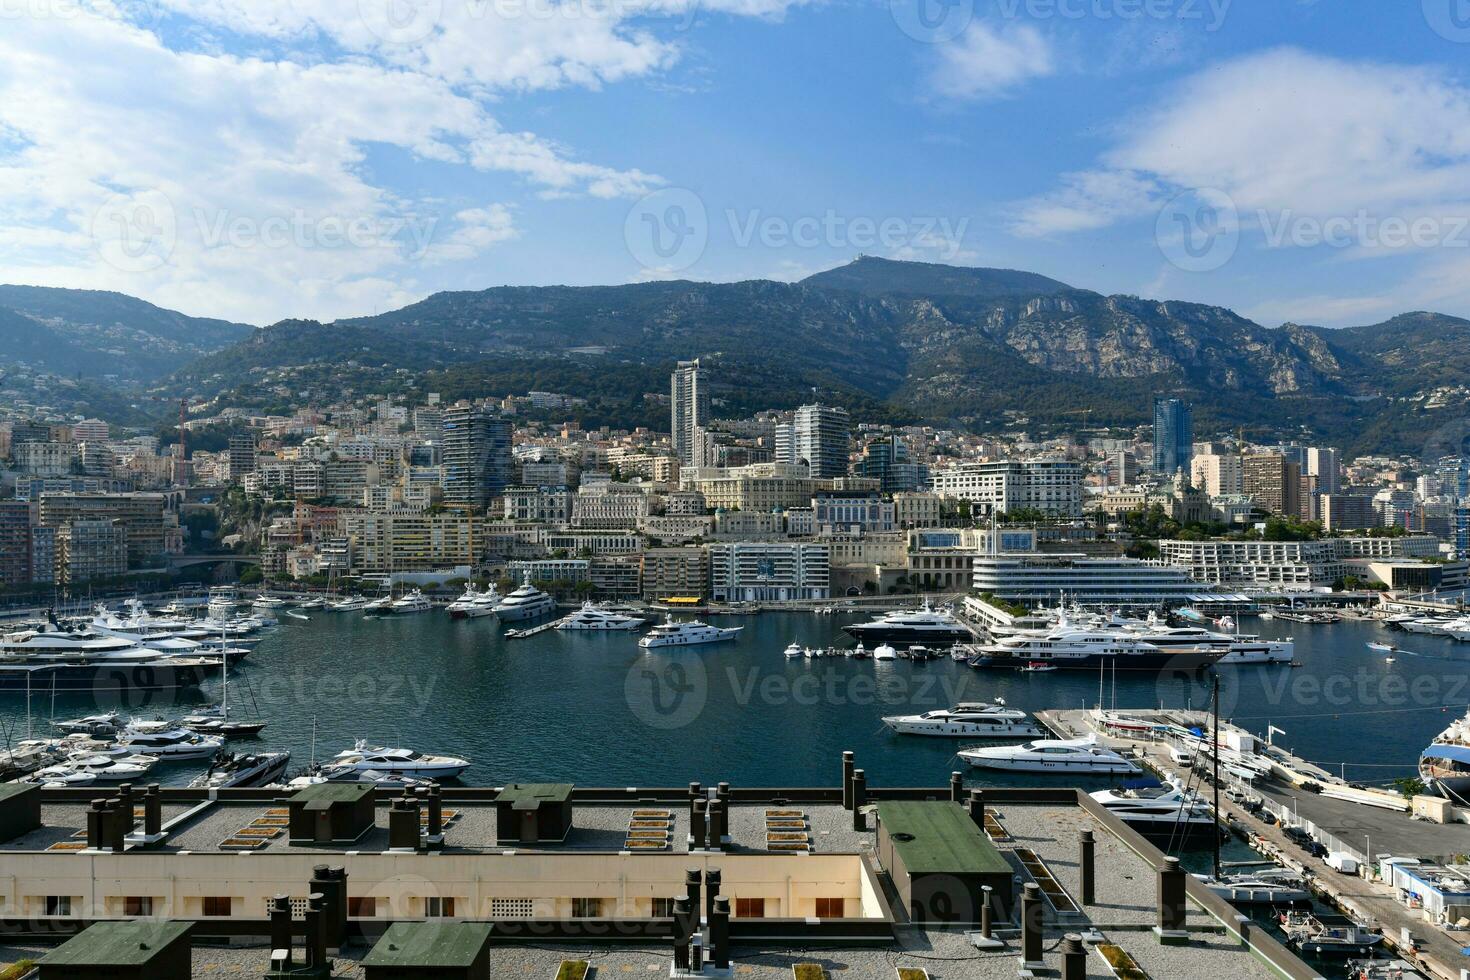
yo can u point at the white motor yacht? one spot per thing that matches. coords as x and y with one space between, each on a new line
475 604
87 770
268 603
106 723
1065 756
352 603
968 720
593 617
672 634
527 602
380 607
1070 648
884 652
363 758
1168 811
924 626
170 744
232 771
793 652
414 602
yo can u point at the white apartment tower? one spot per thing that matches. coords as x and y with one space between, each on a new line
689 406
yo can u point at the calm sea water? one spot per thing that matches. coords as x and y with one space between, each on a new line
596 710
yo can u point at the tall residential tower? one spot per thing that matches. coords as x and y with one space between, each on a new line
689 405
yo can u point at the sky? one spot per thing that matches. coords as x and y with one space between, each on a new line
255 160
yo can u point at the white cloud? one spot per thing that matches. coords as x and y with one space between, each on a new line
214 155
986 62
1299 144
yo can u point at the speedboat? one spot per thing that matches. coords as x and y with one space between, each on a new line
229 771
414 602
337 774
968 720
884 652
107 723
1383 647
1445 764
1037 667
1170 812
364 758
1066 756
171 744
672 634
793 652
924 626
860 652
87 770
526 602
592 617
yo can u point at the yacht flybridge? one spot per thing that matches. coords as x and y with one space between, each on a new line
1062 756
1170 812
1070 648
672 634
475 604
968 720
927 625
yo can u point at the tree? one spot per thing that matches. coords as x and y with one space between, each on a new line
251 575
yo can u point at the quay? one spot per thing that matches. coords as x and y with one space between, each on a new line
1368 825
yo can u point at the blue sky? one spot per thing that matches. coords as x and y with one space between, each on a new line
258 159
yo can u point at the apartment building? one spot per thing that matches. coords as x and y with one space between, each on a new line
769 572
1047 485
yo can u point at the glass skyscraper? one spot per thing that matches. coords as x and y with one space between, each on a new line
1173 436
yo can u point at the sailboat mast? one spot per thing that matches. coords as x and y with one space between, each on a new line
1216 833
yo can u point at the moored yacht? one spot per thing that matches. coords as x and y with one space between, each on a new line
967 720
1170 812
592 617
527 602
414 602
474 604
1445 764
926 625
170 744
671 634
1269 886
352 603
1069 648
229 771
364 758
1063 756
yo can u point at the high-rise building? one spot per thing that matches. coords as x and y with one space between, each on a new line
1462 531
689 405
139 515
817 436
15 543
87 550
1347 512
1326 466
1273 482
1217 474
478 464
242 455
887 460
1173 436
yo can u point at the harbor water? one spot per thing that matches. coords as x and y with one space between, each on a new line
595 709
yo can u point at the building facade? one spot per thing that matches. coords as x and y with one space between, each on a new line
769 572
1050 486
478 464
689 404
1173 436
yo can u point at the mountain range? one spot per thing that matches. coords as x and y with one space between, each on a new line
895 341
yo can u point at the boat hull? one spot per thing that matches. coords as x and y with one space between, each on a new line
1156 662
890 634
111 677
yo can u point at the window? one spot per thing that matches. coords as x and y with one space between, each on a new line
830 908
750 908
137 907
58 905
586 908
362 908
663 908
218 907
439 908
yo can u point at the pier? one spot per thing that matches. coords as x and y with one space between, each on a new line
1366 824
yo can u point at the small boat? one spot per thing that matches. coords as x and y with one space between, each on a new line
860 652
792 652
296 615
1383 970
1328 934
1383 647
884 652
920 654
1036 667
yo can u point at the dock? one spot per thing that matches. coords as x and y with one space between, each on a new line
531 631
1366 824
